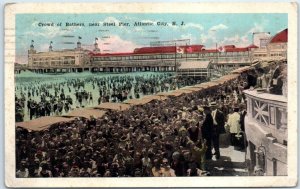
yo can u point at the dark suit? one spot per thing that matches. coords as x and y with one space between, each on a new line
242 122
251 81
218 129
207 130
220 119
276 88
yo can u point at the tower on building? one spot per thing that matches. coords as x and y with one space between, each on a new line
31 49
96 48
50 46
79 43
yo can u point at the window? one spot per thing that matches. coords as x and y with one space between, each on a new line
171 56
222 54
164 56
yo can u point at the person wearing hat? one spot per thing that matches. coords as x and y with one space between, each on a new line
218 128
234 125
207 129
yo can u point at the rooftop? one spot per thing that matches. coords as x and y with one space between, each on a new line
281 37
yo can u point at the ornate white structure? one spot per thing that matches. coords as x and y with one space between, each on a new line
266 133
65 60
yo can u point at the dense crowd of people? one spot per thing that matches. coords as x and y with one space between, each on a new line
273 79
146 140
39 98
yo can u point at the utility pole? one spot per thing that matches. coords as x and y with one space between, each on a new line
185 51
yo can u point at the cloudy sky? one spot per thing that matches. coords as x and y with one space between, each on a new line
206 29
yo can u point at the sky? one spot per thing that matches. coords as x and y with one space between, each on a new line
205 29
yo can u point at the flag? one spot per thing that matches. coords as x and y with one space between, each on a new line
189 50
221 49
179 50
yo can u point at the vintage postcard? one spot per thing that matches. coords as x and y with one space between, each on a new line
151 94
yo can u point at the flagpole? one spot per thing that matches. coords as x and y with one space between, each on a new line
175 58
217 52
185 51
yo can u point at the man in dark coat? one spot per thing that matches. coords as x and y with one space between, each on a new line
218 127
276 82
243 114
251 79
207 130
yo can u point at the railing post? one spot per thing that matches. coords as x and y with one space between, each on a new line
249 106
260 167
283 120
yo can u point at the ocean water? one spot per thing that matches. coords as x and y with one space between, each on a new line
29 80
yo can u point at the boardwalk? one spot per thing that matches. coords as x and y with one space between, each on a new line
231 163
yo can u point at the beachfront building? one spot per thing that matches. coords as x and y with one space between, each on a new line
156 58
162 58
67 60
275 48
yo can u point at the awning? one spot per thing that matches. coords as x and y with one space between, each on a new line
86 113
155 97
145 100
194 65
183 91
194 89
166 94
198 86
113 106
229 77
203 85
140 101
42 123
217 82
240 70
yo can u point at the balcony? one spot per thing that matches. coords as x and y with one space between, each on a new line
269 112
